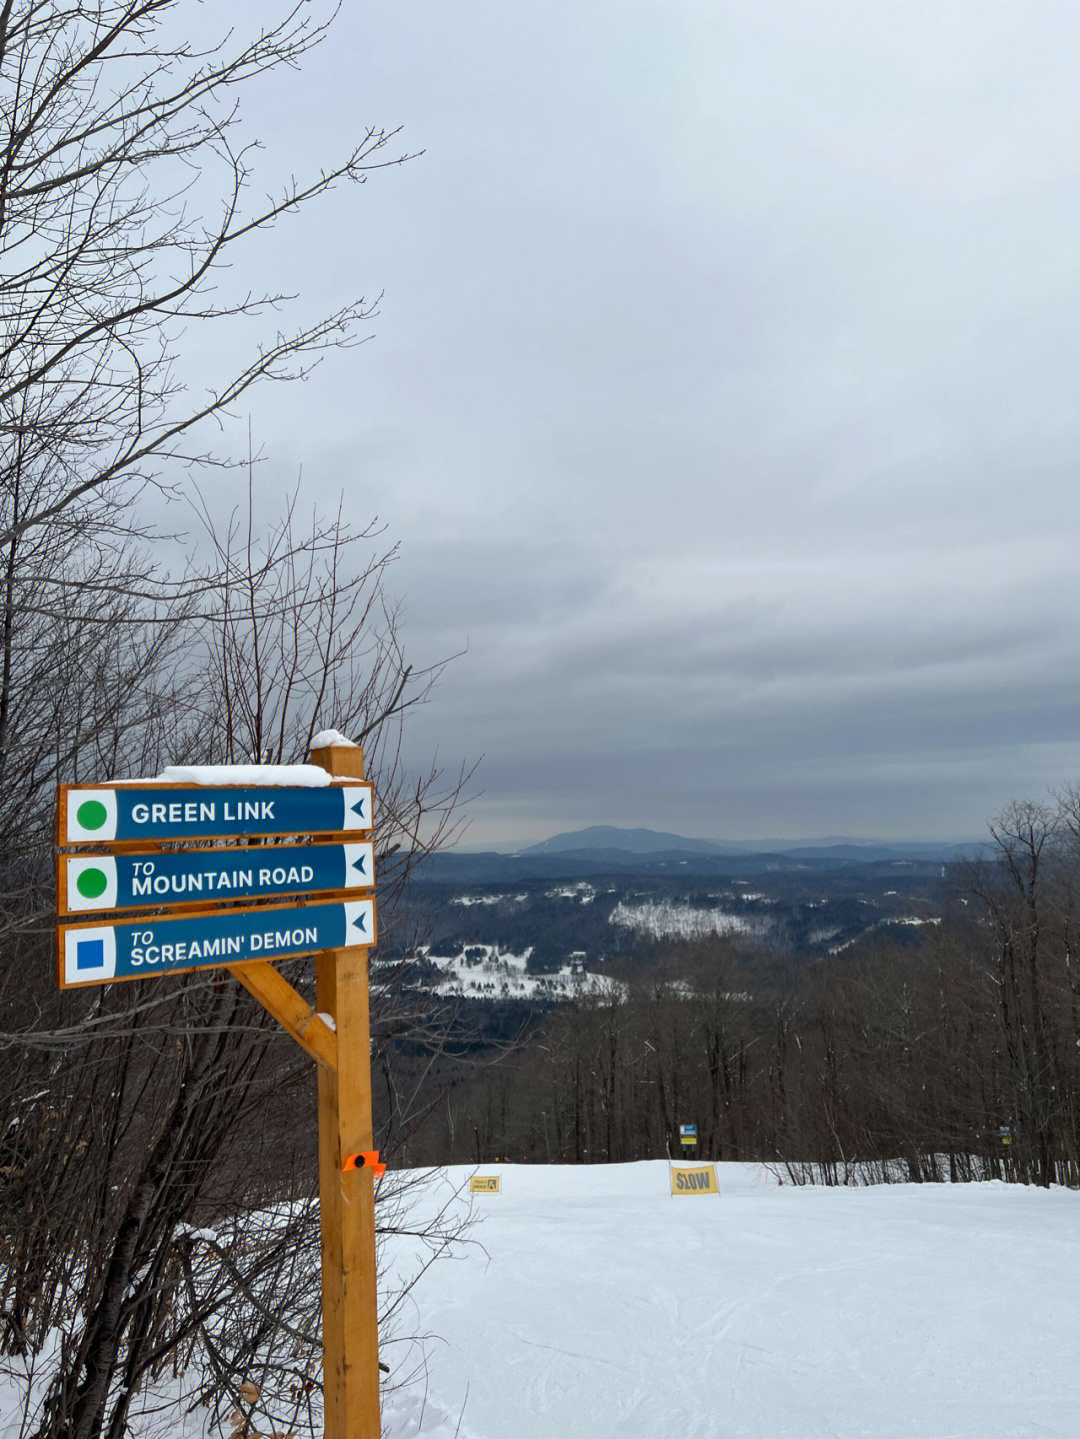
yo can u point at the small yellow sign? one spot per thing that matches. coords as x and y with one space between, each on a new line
485 1184
699 1180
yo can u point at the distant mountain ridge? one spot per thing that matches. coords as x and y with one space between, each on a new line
636 841
610 839
606 850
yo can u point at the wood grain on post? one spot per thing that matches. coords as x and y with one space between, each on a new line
347 1199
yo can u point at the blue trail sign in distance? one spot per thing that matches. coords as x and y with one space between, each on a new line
92 883
106 814
97 954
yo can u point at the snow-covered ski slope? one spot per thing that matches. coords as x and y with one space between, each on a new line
592 1303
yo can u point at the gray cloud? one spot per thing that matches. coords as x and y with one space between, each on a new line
724 399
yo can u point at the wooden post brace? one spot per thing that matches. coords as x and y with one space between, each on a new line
290 1009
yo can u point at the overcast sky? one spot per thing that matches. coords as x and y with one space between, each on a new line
723 398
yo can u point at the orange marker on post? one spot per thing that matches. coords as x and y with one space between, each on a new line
368 1159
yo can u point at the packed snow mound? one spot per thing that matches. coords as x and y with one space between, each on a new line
327 737
593 1302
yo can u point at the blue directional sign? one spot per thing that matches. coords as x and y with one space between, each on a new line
105 814
97 954
92 883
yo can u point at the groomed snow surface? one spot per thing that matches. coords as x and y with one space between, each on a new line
591 1302
587 1301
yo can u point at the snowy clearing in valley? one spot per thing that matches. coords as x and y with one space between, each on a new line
486 971
665 919
465 900
582 892
592 1302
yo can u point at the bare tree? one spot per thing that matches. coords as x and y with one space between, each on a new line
124 191
186 1104
1016 896
128 1117
299 635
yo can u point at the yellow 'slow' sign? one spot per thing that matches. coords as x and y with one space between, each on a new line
700 1180
485 1184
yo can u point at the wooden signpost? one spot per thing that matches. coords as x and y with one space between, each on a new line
207 913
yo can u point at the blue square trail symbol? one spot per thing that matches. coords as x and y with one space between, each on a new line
90 954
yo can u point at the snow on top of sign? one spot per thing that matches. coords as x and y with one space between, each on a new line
244 774
326 737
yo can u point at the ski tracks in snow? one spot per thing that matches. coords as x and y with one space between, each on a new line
610 1310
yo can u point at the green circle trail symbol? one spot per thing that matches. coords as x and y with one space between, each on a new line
91 814
91 882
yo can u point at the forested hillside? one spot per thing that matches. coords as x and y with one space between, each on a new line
949 1046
